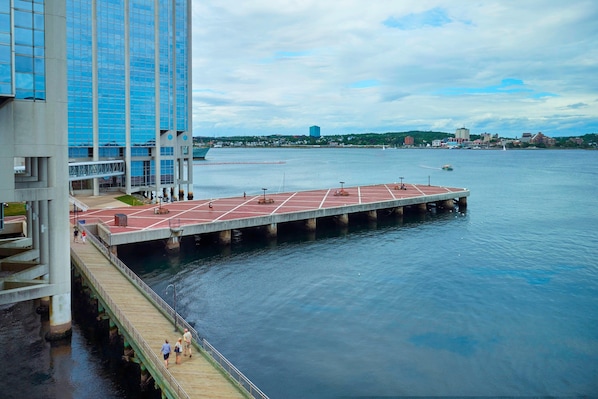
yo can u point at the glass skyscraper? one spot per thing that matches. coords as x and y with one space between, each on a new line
129 92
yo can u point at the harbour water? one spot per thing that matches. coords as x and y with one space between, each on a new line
499 300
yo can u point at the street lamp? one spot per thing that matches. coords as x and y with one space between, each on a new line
264 194
401 180
174 295
160 203
341 182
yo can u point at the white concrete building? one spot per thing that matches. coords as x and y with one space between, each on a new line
33 133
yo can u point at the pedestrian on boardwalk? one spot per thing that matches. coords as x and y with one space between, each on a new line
166 352
75 234
187 339
83 236
178 348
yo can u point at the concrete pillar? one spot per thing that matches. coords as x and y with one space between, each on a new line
271 230
449 204
372 216
343 220
422 208
399 211
463 202
173 243
310 224
114 250
224 237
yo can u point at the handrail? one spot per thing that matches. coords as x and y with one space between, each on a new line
230 369
134 335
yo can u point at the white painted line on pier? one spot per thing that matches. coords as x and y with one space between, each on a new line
417 188
359 193
284 202
390 191
174 216
324 199
236 207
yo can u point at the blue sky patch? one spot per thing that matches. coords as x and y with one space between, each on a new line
434 17
363 84
506 86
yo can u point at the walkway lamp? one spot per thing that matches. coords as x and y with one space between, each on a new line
159 203
342 183
401 180
264 194
174 297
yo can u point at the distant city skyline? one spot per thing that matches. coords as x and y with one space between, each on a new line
500 67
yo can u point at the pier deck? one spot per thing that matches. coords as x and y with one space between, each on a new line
145 223
196 376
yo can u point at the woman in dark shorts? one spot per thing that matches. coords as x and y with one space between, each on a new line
166 352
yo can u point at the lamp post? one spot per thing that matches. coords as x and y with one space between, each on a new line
264 194
174 296
159 203
342 183
401 180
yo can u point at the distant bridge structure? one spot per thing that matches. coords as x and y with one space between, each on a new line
95 169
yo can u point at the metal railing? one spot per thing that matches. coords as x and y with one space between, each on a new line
132 332
235 375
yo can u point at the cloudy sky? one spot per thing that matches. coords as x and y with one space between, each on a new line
279 66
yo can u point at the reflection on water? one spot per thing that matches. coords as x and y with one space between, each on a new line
31 367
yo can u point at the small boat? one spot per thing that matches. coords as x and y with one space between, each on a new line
447 167
200 152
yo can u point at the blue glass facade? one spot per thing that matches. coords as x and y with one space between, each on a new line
24 75
119 94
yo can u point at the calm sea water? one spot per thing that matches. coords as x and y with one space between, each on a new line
499 300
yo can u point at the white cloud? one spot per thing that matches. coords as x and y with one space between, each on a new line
263 67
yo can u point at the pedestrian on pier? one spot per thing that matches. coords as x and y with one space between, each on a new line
83 236
178 348
187 339
166 349
75 234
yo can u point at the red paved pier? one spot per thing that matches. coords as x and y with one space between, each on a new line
145 223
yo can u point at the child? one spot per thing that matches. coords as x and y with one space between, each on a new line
83 235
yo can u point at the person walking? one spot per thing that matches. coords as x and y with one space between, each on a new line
83 236
187 339
166 349
178 348
75 234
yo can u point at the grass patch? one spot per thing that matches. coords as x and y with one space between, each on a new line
130 200
15 209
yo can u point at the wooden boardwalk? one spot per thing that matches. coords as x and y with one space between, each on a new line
197 376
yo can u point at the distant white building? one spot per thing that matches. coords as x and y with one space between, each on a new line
462 133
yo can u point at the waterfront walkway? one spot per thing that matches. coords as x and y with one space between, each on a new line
146 328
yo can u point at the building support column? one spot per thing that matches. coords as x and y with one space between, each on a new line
462 202
271 230
372 216
224 237
422 208
310 224
399 211
343 220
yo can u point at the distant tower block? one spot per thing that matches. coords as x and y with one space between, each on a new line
314 131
